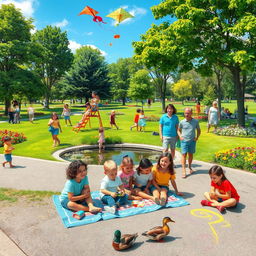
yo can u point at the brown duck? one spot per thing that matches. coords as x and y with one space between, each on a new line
158 233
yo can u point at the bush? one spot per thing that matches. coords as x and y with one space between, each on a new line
241 157
15 136
94 140
237 131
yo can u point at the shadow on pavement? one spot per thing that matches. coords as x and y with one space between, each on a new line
237 209
164 240
187 195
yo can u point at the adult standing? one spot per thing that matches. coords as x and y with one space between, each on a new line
213 116
189 132
168 126
11 114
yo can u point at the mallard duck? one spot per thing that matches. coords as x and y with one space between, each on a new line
123 242
157 233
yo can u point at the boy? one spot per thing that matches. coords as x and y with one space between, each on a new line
136 119
111 188
8 148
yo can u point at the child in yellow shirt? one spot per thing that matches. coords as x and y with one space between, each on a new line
8 148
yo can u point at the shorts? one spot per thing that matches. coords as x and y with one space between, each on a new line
64 203
169 141
67 117
142 188
8 157
54 131
152 188
188 146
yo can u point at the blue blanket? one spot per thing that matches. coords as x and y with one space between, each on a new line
123 211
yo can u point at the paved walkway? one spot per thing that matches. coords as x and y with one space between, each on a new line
36 229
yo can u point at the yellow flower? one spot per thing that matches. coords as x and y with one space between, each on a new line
224 158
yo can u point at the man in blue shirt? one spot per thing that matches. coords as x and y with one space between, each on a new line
189 132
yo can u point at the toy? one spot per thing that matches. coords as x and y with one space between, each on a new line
123 242
158 233
78 215
137 203
120 193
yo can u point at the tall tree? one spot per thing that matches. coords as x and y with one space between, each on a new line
213 32
120 74
15 48
182 89
140 87
88 73
55 59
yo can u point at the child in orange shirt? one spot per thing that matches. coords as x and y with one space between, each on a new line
8 148
136 119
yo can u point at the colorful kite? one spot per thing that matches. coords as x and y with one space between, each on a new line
120 15
116 36
88 10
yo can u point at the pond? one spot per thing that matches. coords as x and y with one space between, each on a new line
92 156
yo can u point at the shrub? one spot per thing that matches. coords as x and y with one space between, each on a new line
237 131
94 140
241 157
15 136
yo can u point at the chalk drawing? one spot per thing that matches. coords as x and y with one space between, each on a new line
210 215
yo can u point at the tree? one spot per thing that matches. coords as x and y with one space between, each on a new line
55 58
120 75
208 33
182 89
140 86
15 48
88 73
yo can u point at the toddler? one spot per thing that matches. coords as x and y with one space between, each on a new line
101 140
8 148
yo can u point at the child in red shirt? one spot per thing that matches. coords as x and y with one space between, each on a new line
136 119
222 193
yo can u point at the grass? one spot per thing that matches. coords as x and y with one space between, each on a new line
13 195
39 142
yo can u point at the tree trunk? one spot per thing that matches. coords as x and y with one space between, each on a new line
123 101
240 96
163 94
219 91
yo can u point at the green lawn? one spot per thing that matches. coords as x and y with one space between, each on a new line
39 142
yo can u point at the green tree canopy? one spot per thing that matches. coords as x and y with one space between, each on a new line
88 73
182 89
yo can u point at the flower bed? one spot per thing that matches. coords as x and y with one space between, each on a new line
237 131
241 157
201 117
15 136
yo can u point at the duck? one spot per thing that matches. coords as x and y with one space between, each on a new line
158 233
123 242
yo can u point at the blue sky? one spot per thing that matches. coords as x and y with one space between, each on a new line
82 30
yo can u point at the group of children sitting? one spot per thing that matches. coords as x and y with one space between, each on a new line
147 181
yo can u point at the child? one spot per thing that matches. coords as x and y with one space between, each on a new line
113 119
55 128
101 140
142 121
31 113
136 119
66 113
126 176
95 101
76 193
163 172
112 190
8 148
222 193
143 179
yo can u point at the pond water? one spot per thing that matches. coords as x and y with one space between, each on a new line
92 156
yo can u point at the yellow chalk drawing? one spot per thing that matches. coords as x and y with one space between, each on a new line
204 213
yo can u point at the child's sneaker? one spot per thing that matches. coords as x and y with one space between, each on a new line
206 203
109 209
162 201
157 200
221 208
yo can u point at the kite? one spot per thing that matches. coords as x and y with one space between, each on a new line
116 36
88 10
119 15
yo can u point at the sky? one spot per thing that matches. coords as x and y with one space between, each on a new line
82 30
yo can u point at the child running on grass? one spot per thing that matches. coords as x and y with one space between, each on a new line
66 113
76 193
222 193
112 191
142 121
55 129
163 172
8 148
126 175
143 179
113 119
136 119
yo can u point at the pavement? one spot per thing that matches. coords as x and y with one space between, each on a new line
34 228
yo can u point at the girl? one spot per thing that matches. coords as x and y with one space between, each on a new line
126 175
113 119
66 113
222 193
142 121
143 179
76 193
213 116
54 128
101 140
95 101
31 113
163 172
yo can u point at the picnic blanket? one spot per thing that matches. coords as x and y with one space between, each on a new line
123 211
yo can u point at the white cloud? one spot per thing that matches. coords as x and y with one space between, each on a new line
74 46
61 24
89 33
27 7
